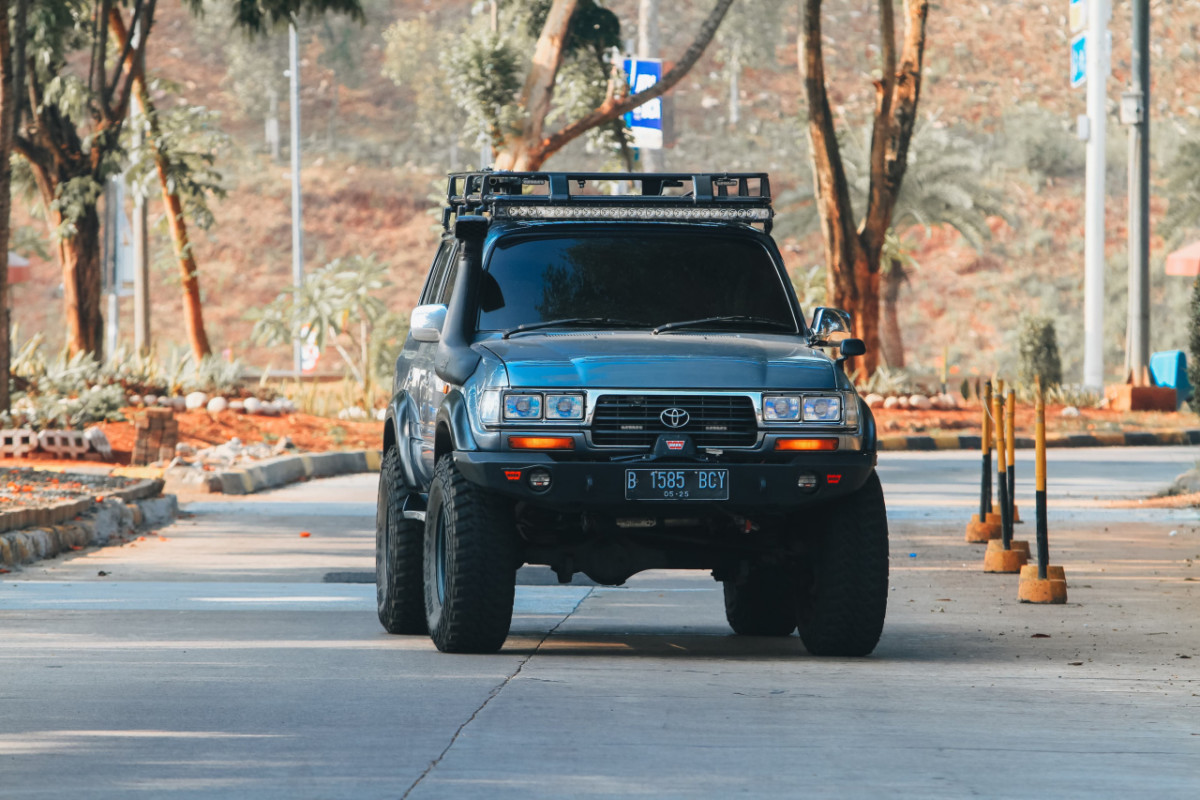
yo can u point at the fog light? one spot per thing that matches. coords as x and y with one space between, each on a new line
807 482
539 480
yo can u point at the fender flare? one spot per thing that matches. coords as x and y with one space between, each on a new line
453 425
399 423
870 442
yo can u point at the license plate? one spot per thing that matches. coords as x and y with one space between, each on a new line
676 484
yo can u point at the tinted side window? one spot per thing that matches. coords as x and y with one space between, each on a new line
443 296
437 274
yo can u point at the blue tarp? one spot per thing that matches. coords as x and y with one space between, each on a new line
1169 368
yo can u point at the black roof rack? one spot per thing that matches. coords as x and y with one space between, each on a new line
732 197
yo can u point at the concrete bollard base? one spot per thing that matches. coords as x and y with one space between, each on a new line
1020 545
1016 511
1006 561
1053 589
978 533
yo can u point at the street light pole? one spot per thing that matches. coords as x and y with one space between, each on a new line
647 47
1099 12
297 214
1135 111
141 239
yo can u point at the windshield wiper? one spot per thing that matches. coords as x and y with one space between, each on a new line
691 323
567 321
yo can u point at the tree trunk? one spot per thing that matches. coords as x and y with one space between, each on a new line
853 250
193 309
890 340
80 259
8 105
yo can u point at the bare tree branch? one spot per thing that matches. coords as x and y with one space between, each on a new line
134 56
833 194
898 128
126 46
613 108
884 94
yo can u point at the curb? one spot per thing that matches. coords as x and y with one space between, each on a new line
276 472
76 524
975 442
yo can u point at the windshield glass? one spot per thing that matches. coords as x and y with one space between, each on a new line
643 276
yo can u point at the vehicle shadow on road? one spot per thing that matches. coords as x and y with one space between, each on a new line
907 643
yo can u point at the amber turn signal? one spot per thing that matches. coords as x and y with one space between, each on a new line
806 444
541 443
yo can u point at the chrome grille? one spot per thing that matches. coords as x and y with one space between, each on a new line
636 420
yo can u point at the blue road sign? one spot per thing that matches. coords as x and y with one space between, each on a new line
645 122
1079 60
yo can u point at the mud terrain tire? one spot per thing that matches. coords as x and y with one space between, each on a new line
842 611
470 564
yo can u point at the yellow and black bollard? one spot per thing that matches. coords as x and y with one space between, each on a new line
982 527
1010 436
1041 583
1000 555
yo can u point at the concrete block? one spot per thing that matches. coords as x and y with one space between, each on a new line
106 520
1052 590
21 547
1124 397
64 443
997 559
79 535
158 511
982 532
18 442
40 544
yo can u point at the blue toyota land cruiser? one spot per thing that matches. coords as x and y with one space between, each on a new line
612 382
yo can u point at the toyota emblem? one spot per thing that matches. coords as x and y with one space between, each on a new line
674 417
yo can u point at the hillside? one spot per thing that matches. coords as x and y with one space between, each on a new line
996 72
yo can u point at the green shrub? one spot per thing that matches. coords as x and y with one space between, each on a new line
1037 349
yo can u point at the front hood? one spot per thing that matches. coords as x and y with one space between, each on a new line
667 361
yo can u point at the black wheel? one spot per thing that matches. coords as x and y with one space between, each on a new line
762 605
399 595
470 564
841 613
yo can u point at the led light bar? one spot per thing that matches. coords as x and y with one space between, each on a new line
588 212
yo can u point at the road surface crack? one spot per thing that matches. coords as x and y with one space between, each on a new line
492 695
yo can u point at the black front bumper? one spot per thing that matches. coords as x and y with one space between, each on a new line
580 485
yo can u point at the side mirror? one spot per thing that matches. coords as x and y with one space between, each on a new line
830 326
852 347
426 322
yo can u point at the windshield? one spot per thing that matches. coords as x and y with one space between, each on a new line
647 277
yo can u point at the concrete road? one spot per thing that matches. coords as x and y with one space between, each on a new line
220 661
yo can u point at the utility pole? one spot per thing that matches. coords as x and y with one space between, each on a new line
648 43
1135 112
141 240
1099 12
297 213
735 70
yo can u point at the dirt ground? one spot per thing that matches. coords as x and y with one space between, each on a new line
200 429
